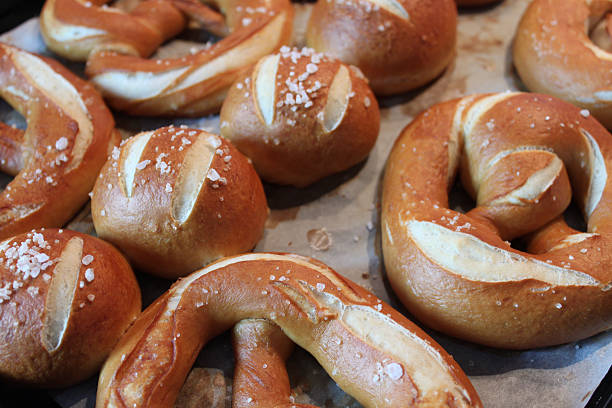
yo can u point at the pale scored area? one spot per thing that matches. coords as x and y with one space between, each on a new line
296 259
392 6
468 256
265 86
418 359
471 118
131 159
536 185
61 292
191 177
573 240
63 32
61 92
337 100
599 174
146 85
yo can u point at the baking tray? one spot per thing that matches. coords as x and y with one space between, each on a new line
346 207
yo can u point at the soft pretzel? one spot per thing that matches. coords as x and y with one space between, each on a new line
116 44
398 44
175 199
56 160
371 351
517 153
553 54
65 299
301 116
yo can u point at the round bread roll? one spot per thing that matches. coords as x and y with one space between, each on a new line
175 199
301 116
554 54
65 299
398 44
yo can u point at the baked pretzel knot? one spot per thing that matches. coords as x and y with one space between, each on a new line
517 154
369 349
116 45
559 49
56 160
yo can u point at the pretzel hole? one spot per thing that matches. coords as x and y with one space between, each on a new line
11 134
601 32
309 382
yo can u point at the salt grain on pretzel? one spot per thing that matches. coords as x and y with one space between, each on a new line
517 154
371 351
59 321
116 44
55 161
554 54
398 44
175 199
301 116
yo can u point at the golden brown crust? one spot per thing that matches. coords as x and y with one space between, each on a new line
553 54
453 270
393 42
175 199
472 3
301 116
115 45
372 351
65 300
56 160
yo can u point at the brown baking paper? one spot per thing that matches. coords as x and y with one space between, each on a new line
337 221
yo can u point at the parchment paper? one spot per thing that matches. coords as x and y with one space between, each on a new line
337 222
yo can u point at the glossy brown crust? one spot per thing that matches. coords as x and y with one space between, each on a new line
553 54
116 44
295 147
56 160
313 305
395 53
103 300
227 215
260 351
487 304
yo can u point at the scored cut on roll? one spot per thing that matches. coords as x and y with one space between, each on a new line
301 116
175 199
521 157
65 299
398 44
56 160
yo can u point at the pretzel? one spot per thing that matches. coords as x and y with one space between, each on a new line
56 160
65 299
175 199
301 116
516 153
369 349
393 42
116 44
553 54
